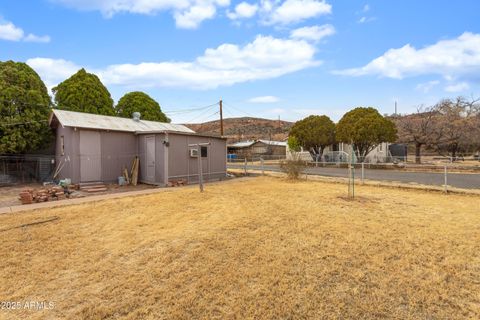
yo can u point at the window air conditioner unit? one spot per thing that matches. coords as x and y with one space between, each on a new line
193 153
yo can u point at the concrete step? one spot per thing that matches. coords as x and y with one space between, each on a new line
92 187
93 190
92 183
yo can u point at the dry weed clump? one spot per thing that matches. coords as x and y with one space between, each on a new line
293 168
242 250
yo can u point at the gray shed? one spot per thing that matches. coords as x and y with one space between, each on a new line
91 148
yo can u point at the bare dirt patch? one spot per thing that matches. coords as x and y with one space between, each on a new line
9 195
263 248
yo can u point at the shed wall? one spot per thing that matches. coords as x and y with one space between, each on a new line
118 150
75 159
260 148
182 166
65 159
141 154
159 158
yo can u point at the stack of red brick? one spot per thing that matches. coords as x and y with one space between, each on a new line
176 183
49 193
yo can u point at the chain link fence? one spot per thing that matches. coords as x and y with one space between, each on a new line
25 168
444 173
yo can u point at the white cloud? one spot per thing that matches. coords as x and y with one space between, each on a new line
293 11
243 10
366 19
191 18
191 13
313 33
34 38
53 71
264 99
364 15
228 64
449 58
10 32
188 14
427 86
457 87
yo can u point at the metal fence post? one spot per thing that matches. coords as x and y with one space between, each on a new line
446 181
245 166
363 172
263 169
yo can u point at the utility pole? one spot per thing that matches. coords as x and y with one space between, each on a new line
395 107
221 117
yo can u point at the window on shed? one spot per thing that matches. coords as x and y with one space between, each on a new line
204 152
62 145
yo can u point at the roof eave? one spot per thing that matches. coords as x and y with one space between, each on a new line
196 134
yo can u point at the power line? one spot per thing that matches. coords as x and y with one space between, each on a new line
203 119
50 106
230 113
202 114
190 110
240 110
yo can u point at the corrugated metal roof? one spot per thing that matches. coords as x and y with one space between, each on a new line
274 143
242 144
248 143
95 121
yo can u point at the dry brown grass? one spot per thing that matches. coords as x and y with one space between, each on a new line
263 248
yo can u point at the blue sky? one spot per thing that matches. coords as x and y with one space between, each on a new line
287 58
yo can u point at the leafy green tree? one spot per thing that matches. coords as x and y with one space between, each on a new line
314 132
84 92
293 144
293 166
24 109
140 102
365 128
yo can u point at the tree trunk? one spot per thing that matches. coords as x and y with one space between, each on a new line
320 151
418 147
454 151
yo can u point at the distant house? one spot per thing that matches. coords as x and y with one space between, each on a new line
340 152
255 148
384 152
92 148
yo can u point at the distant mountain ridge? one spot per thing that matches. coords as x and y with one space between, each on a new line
245 128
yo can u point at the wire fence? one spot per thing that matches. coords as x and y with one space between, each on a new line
338 158
255 158
25 168
438 171
447 174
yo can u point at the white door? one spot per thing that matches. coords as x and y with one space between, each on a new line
90 156
150 159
